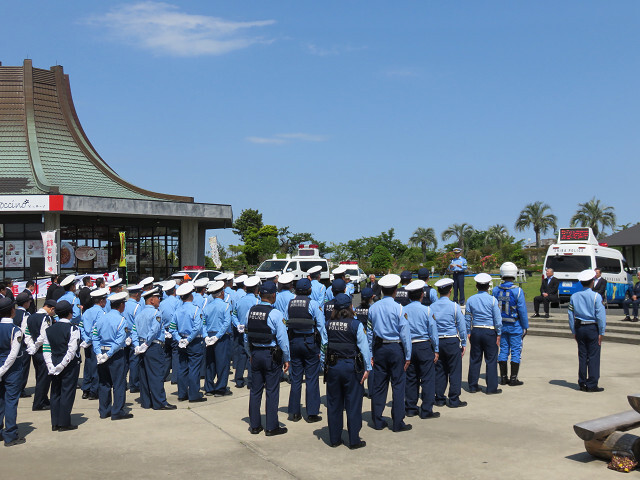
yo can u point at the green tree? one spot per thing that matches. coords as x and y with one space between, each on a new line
535 215
459 231
381 259
424 238
497 234
593 214
248 220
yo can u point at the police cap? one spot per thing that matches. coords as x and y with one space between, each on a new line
184 289
342 301
586 275
338 285
23 298
67 280
303 284
389 281
285 278
406 275
444 282
415 285
63 308
482 278
423 273
268 288
366 293
315 269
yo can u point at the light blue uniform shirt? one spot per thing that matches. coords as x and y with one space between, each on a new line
317 313
449 319
421 323
131 309
109 332
433 296
244 305
187 322
458 264
389 323
328 295
217 318
73 300
282 301
167 309
350 289
240 293
276 324
363 346
198 300
232 295
587 307
318 292
89 319
149 325
483 310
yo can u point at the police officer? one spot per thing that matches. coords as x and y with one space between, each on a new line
199 288
131 309
338 274
114 287
362 314
89 319
285 295
23 301
242 307
217 319
318 290
587 320
453 340
167 309
307 335
146 284
391 340
424 354
402 296
513 310
108 339
10 373
150 351
266 342
338 286
458 267
186 329
69 286
430 294
348 365
36 325
484 326
62 355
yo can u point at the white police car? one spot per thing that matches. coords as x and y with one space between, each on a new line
298 265
356 274
195 272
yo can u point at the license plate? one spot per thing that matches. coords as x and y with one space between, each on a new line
567 284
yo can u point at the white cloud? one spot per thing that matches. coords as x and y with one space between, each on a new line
282 138
164 29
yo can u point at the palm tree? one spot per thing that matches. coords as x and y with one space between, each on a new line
592 214
459 231
424 237
534 215
496 233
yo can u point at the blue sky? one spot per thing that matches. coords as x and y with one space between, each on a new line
350 118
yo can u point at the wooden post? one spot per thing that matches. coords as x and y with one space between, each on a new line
622 442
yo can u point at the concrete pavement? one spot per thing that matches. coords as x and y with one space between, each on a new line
526 432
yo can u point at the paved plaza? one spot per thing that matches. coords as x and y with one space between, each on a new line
524 433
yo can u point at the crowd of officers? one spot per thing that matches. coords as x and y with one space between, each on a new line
407 336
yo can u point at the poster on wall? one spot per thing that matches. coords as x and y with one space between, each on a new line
1 255
14 254
67 255
33 249
102 258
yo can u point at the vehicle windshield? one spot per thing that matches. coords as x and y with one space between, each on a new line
568 263
305 265
272 266
353 272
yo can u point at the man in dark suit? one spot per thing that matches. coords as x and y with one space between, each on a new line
548 293
9 284
85 292
600 285
53 287
30 290
373 285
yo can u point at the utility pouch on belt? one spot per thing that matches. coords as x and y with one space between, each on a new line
332 359
276 355
359 363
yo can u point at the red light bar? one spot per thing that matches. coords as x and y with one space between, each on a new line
348 262
603 244
314 246
193 267
302 246
568 253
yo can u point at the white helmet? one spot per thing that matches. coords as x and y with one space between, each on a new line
508 269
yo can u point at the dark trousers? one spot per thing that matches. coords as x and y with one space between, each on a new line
217 365
344 392
388 365
240 359
483 343
111 376
633 303
131 360
26 366
43 381
168 354
588 355
449 370
265 376
305 360
63 394
175 361
10 388
90 372
421 374
545 302
151 368
190 359
458 287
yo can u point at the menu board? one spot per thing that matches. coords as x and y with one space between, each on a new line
33 249
102 258
14 254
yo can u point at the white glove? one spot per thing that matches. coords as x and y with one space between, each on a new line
127 342
142 348
214 339
240 328
136 351
52 370
167 335
183 343
31 349
84 345
58 370
101 358
207 341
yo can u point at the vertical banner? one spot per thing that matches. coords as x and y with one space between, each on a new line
123 250
50 252
215 254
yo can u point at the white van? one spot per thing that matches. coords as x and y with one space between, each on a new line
307 257
577 250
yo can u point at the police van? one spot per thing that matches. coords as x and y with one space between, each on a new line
356 274
577 250
308 256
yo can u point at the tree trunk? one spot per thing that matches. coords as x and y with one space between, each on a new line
537 230
424 251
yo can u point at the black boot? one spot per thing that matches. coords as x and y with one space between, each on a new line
514 382
504 380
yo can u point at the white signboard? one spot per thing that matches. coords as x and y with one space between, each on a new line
22 203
